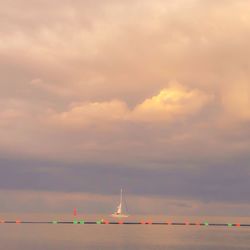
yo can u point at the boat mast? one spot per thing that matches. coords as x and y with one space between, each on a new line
121 200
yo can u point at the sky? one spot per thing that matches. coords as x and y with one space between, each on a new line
152 96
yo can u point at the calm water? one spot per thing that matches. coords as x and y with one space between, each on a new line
93 237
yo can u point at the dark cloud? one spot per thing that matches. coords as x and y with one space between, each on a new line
207 184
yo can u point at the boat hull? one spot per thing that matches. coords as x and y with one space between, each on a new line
119 215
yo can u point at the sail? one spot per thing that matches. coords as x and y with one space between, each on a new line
118 212
119 209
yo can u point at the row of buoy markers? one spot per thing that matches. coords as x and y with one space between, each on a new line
106 222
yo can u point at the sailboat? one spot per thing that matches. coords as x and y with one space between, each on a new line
118 213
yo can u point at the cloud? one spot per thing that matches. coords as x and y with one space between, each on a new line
9 116
12 111
90 114
174 101
171 103
236 100
150 85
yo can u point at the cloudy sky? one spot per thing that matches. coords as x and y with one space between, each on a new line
151 95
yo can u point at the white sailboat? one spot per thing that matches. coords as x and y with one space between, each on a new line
118 213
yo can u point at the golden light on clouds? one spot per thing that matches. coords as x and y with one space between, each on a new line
171 103
90 114
116 76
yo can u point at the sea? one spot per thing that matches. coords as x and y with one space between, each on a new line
122 237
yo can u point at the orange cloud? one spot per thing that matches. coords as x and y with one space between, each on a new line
91 114
170 104
236 100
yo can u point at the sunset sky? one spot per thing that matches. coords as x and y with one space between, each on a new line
150 95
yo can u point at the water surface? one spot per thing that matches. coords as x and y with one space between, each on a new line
151 237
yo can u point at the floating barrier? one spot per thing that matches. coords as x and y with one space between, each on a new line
146 223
